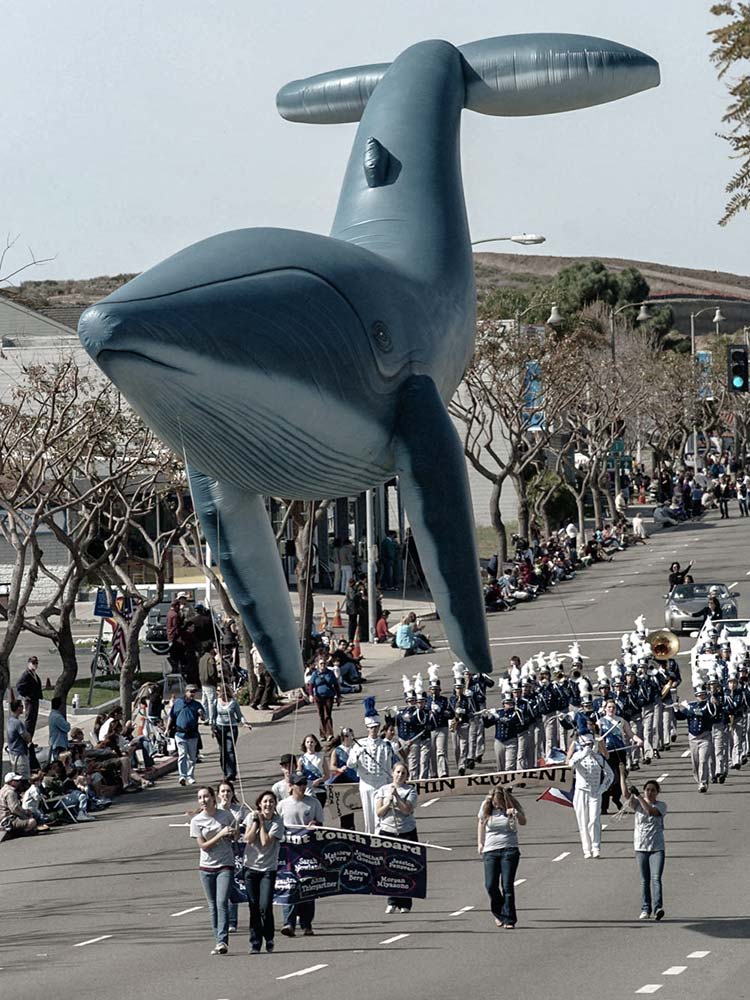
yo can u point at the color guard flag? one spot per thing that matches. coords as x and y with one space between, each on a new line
563 797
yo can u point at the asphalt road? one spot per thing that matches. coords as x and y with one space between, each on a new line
115 907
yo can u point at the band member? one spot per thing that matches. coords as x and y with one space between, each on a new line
587 757
527 713
506 721
440 716
700 715
462 712
476 687
373 760
719 764
735 698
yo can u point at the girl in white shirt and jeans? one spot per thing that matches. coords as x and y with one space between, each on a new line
497 843
648 841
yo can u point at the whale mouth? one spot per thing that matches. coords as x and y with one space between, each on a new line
108 354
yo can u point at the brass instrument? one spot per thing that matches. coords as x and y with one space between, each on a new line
664 644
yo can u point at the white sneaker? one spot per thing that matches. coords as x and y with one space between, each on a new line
390 909
191 781
182 781
587 855
596 854
644 915
83 817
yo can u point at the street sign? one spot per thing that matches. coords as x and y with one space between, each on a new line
101 605
617 447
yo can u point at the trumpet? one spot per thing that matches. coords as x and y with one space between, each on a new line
452 725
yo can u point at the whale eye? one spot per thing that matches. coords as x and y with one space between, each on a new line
381 336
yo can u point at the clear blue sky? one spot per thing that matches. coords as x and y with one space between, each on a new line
130 130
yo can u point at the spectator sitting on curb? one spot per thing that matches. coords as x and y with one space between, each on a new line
15 821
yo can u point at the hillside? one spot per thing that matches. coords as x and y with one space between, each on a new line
65 300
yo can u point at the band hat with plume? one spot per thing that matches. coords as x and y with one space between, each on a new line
433 673
419 686
458 674
515 676
640 625
625 642
407 686
371 713
574 652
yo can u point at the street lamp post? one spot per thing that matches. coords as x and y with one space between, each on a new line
525 239
643 315
718 318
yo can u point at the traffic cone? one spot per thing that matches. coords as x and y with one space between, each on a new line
48 685
337 622
356 649
323 620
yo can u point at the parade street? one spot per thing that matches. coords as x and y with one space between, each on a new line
116 906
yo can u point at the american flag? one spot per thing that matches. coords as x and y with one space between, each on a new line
119 643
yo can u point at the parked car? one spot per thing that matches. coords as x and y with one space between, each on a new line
685 602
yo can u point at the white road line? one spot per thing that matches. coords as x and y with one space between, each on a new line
685 754
561 857
190 909
604 826
650 988
464 909
674 970
429 802
178 824
698 954
302 972
82 944
396 937
519 881
662 777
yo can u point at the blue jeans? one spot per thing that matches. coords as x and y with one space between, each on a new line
500 869
216 887
227 737
651 867
259 887
187 752
304 912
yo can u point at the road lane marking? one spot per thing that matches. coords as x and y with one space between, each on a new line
82 944
519 881
604 826
396 937
429 802
178 824
190 909
561 857
649 988
464 909
662 777
674 970
698 954
686 753
303 972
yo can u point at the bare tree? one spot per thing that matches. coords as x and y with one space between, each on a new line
511 399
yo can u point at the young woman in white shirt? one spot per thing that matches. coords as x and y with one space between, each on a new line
497 842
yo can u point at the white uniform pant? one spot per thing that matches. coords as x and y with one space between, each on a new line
476 737
538 740
461 743
551 733
701 752
649 731
657 726
439 753
588 809
506 755
636 754
720 739
418 759
525 756
667 723
367 795
736 739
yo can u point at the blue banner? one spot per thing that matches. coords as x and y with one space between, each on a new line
322 862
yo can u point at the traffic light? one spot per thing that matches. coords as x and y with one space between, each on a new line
737 376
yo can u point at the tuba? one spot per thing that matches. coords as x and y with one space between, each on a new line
664 644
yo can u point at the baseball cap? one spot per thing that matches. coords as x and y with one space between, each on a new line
297 778
12 776
286 760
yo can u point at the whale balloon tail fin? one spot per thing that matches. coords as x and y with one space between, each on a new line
508 76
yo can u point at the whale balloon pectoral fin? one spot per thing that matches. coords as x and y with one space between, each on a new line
238 530
435 489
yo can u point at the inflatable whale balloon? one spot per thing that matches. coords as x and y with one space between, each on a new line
282 363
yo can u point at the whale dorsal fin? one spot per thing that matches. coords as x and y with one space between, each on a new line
511 75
